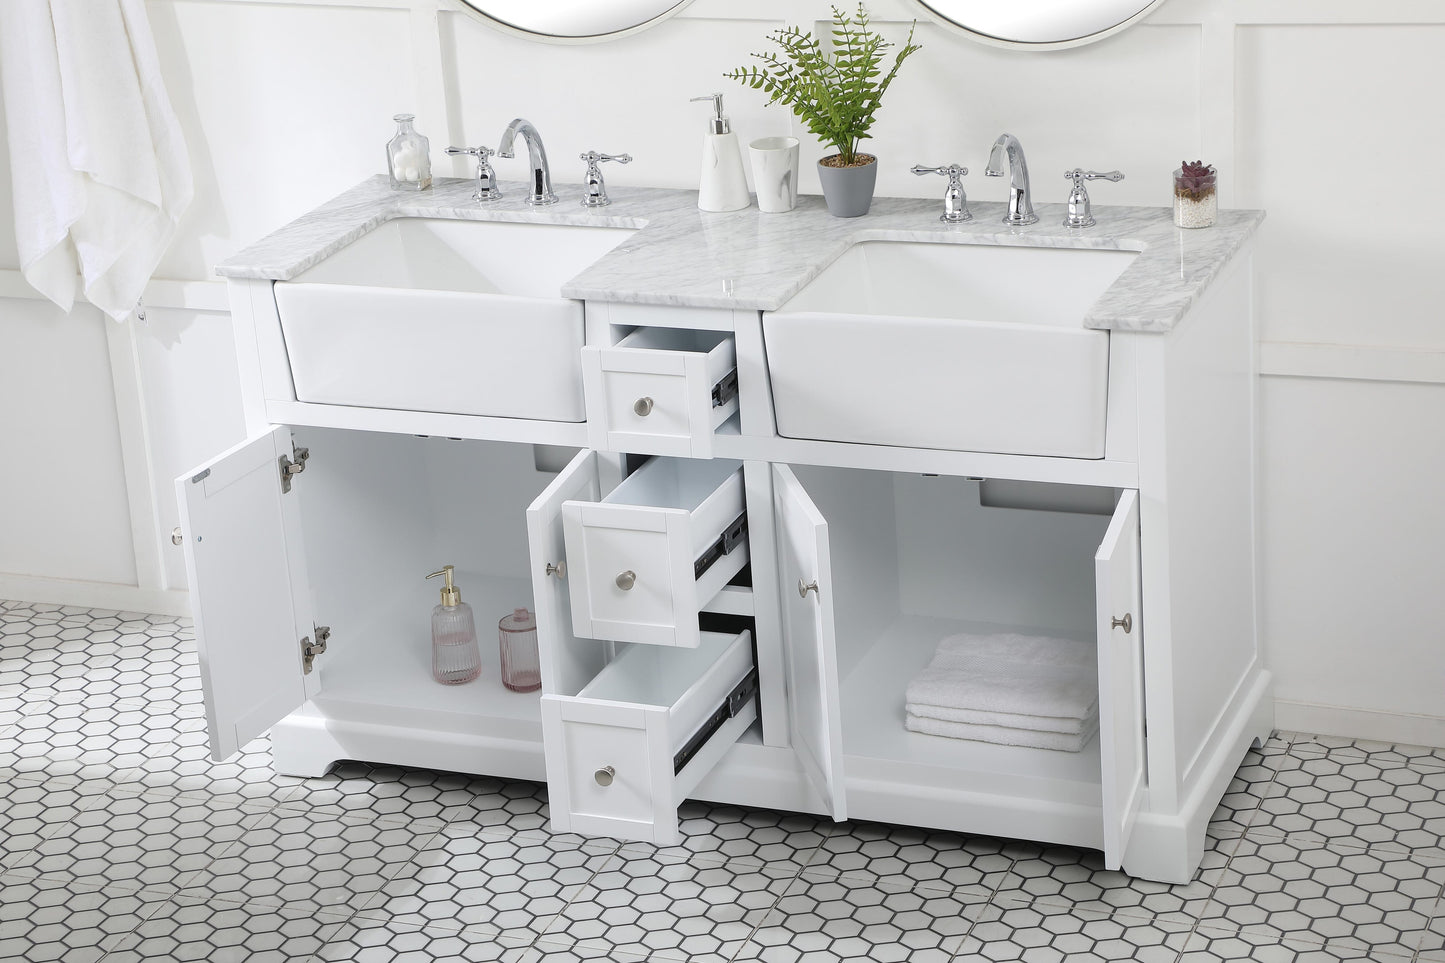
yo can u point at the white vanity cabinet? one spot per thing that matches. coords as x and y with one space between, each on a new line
729 613
313 614
882 566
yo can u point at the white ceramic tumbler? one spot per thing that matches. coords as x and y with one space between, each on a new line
775 173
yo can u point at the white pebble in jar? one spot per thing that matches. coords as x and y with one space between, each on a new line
1200 213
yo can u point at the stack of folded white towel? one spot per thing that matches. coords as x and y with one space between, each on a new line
1017 690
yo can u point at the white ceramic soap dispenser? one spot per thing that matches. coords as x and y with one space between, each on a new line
724 186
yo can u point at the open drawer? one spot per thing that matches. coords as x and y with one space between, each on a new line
645 559
660 391
625 751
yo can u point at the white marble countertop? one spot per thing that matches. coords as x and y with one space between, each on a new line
754 261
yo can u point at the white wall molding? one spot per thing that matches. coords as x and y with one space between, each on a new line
94 595
1352 723
1352 362
194 295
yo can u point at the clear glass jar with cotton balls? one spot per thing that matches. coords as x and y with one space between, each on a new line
408 157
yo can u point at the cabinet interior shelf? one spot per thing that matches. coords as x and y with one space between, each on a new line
873 698
386 661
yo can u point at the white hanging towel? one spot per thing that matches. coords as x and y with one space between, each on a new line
100 171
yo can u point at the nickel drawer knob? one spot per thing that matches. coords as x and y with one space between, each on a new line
604 776
176 536
559 570
643 407
626 580
805 587
1126 623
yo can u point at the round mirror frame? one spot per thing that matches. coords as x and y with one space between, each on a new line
474 8
942 19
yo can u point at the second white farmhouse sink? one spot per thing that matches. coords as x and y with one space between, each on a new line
430 314
968 347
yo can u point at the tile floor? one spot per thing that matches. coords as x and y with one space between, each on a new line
121 841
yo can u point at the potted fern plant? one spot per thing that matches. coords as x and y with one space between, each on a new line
835 94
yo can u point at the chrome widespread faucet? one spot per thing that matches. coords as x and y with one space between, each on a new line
1020 204
541 174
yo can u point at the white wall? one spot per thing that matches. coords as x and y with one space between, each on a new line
1317 112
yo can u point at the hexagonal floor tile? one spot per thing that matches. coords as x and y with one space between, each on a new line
132 841
1368 900
1384 754
1238 809
362 940
28 753
1206 946
824 918
1036 932
32 811
305 860
742 836
385 792
492 882
189 770
906 856
1356 800
1067 876
1432 944
700 910
208 933
43 920
512 805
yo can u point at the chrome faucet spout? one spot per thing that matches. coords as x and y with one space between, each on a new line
541 186
1020 202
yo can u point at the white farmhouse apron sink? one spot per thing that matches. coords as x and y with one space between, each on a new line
950 346
430 314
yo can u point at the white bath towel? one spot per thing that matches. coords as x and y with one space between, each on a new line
1004 735
99 168
1015 675
1008 719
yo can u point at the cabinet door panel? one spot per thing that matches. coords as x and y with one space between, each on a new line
567 662
1121 676
808 638
249 592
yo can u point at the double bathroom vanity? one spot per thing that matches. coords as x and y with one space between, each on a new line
748 470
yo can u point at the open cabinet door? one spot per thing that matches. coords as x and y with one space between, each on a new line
806 576
249 591
1121 676
567 665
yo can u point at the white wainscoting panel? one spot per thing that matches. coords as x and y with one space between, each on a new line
1338 141
63 509
1351 537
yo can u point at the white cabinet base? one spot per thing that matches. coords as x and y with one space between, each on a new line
308 741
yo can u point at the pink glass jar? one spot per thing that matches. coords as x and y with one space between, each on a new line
521 666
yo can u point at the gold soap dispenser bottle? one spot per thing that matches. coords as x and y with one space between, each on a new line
455 656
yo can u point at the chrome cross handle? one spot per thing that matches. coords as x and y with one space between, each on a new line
1080 214
594 192
955 202
487 189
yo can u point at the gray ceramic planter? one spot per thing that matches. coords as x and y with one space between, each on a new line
849 190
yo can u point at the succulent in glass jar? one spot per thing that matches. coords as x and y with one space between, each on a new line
1196 199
